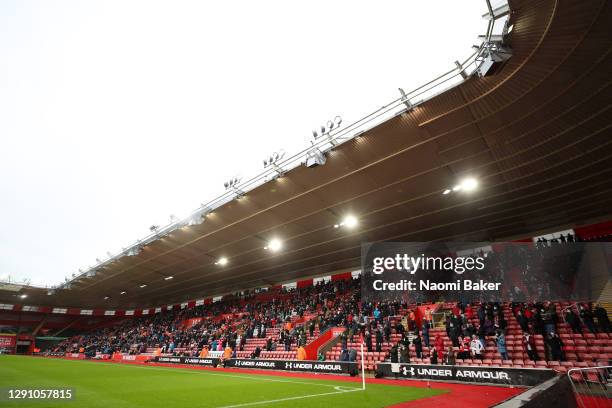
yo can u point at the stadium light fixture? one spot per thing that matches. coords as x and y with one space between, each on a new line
168 278
461 69
274 245
144 285
274 158
350 221
23 296
221 261
326 130
406 101
135 250
106 297
315 157
232 184
123 292
469 184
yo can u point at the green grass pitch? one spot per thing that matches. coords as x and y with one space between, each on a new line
123 385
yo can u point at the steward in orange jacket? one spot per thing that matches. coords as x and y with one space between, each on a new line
301 353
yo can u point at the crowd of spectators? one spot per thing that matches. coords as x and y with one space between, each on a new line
228 323
469 328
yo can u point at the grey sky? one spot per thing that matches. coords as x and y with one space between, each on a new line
116 114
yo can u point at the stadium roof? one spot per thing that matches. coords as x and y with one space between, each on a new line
535 135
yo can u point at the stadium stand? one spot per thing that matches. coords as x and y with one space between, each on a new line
273 329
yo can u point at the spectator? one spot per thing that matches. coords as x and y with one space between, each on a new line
368 340
439 344
227 353
573 320
464 349
602 318
387 331
377 314
450 356
433 355
587 318
301 353
529 346
418 346
428 316
476 348
379 340
522 321
426 334
404 354
393 354
500 339
556 346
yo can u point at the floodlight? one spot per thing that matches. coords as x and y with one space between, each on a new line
221 261
469 184
350 221
274 245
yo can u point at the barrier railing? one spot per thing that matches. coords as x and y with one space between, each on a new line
591 386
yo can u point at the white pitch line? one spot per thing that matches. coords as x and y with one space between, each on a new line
206 372
249 404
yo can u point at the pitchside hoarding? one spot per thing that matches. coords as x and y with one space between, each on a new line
8 341
333 367
484 271
212 362
489 375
